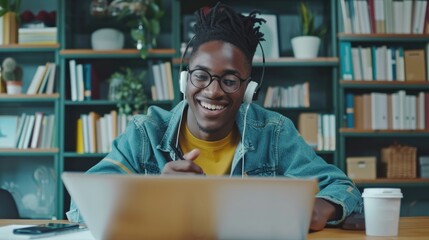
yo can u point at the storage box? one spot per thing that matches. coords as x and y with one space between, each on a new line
424 166
361 167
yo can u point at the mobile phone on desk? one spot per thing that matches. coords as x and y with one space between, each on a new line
47 229
356 221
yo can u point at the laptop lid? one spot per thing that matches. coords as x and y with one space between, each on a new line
183 207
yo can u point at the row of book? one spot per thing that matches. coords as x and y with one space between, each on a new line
43 81
27 131
385 16
382 111
162 89
96 132
288 97
84 81
383 63
37 35
318 130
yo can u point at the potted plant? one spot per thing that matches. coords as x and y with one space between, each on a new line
127 88
307 45
12 74
143 16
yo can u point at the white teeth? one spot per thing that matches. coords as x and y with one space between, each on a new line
211 106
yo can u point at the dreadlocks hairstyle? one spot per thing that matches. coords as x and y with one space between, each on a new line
222 23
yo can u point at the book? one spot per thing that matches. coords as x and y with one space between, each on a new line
308 127
79 136
80 82
37 129
350 110
51 80
8 131
415 68
73 80
37 79
45 79
87 81
346 60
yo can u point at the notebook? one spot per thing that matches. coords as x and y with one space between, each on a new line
184 207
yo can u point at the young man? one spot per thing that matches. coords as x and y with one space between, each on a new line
219 133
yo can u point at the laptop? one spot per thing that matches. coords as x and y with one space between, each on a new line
184 207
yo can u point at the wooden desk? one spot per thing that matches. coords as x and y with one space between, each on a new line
410 228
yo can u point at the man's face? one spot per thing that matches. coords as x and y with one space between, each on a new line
211 113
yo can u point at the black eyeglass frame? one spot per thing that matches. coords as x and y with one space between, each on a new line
218 78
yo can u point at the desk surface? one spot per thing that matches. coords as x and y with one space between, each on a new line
410 228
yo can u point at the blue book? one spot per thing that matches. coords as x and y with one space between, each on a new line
346 60
394 77
350 114
87 81
374 62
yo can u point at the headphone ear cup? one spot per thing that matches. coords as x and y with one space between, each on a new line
250 91
183 81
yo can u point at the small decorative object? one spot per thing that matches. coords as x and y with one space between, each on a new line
12 74
107 39
307 45
127 88
99 8
143 16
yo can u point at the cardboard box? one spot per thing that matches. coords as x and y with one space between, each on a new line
424 166
362 167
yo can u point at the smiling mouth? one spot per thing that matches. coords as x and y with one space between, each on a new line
211 107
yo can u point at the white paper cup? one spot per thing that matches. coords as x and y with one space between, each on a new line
382 207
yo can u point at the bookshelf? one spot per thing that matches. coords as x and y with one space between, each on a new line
327 87
368 141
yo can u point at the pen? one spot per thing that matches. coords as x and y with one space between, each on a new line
177 152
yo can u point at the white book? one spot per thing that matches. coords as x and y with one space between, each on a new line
1 30
389 69
379 16
402 106
80 83
320 144
397 21
73 80
347 27
158 81
109 131
98 130
45 78
84 118
395 111
356 21
413 112
20 128
388 11
37 129
357 68
332 133
170 87
37 79
104 135
422 16
164 85
50 136
28 132
400 65
365 54
51 80
326 132
382 110
44 133
374 112
365 16
21 141
407 16
421 111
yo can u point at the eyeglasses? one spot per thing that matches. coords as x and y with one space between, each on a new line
229 82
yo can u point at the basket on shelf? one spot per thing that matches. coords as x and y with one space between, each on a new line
399 161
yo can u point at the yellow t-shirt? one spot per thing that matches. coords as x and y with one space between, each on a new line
215 156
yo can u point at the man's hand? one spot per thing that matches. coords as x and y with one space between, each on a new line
186 166
323 212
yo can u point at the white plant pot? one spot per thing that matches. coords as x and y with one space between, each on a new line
305 46
13 87
107 39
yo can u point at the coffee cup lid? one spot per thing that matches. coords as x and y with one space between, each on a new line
382 193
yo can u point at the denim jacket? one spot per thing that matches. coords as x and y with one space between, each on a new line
272 147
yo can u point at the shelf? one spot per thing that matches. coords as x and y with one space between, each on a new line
29 48
123 53
350 132
28 152
377 84
383 37
287 62
112 103
387 182
29 97
84 155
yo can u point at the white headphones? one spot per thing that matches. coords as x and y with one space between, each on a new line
251 88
